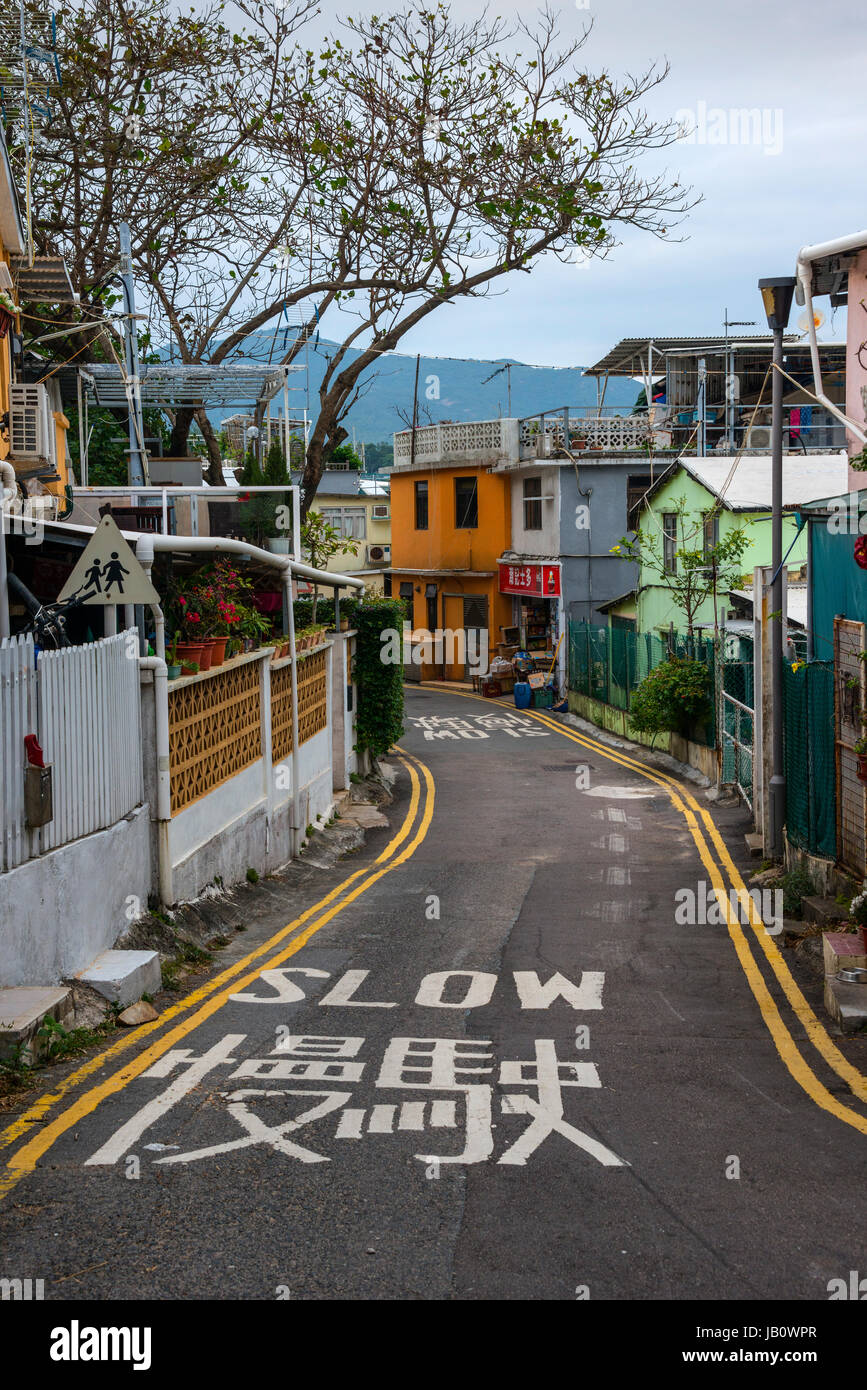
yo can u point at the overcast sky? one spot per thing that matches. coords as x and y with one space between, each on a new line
803 65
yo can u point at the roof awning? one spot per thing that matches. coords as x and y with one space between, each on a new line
173 384
629 356
46 281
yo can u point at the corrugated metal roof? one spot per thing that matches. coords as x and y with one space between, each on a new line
629 356
45 282
806 477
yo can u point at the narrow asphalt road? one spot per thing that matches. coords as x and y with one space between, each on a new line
503 1070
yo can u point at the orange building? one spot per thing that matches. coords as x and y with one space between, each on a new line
450 522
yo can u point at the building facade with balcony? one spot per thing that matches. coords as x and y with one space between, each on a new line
451 524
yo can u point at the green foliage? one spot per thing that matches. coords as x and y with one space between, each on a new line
699 569
379 720
795 885
378 456
320 542
58 1042
344 453
671 697
252 876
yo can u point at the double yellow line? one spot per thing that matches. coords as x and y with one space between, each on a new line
202 1003
700 825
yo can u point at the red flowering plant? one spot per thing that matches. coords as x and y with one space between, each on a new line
221 596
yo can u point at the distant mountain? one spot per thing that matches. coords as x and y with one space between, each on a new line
449 388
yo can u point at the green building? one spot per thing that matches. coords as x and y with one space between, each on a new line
709 499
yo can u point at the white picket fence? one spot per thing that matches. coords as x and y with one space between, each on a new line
17 718
83 705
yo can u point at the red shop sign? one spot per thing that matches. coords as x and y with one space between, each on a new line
542 581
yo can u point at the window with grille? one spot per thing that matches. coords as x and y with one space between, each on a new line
466 503
636 487
532 504
669 542
710 529
349 522
421 501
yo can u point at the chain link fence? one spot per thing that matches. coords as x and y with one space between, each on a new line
609 663
809 757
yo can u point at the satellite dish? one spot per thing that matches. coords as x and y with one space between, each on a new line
804 320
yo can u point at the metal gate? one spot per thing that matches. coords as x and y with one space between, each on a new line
850 705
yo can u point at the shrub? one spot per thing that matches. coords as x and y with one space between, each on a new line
671 697
379 721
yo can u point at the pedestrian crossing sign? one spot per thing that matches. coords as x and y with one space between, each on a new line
108 571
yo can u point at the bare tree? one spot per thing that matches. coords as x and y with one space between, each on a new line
442 160
154 124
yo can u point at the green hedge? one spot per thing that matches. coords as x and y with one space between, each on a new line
379 719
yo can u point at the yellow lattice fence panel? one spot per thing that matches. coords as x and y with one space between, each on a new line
312 696
312 702
281 711
214 730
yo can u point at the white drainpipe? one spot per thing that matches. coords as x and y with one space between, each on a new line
857 241
164 785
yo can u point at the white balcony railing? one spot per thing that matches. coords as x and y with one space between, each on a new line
496 440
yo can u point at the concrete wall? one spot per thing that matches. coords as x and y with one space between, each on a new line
616 721
547 540
591 574
63 908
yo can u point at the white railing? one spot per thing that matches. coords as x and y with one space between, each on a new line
474 439
17 719
542 436
83 705
737 745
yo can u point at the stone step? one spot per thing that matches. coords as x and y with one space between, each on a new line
123 976
23 1010
843 951
825 911
847 1004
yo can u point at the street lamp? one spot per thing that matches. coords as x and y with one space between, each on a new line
777 299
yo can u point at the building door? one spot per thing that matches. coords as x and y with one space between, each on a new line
475 634
849 702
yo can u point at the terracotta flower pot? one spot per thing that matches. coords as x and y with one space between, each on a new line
218 656
189 654
207 654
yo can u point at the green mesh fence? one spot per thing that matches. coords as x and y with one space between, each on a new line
808 743
608 663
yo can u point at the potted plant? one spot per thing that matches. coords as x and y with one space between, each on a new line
860 747
8 311
858 914
173 666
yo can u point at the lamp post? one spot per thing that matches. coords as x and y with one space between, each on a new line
777 299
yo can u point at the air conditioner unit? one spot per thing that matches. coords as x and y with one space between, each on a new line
381 511
29 422
378 554
759 437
